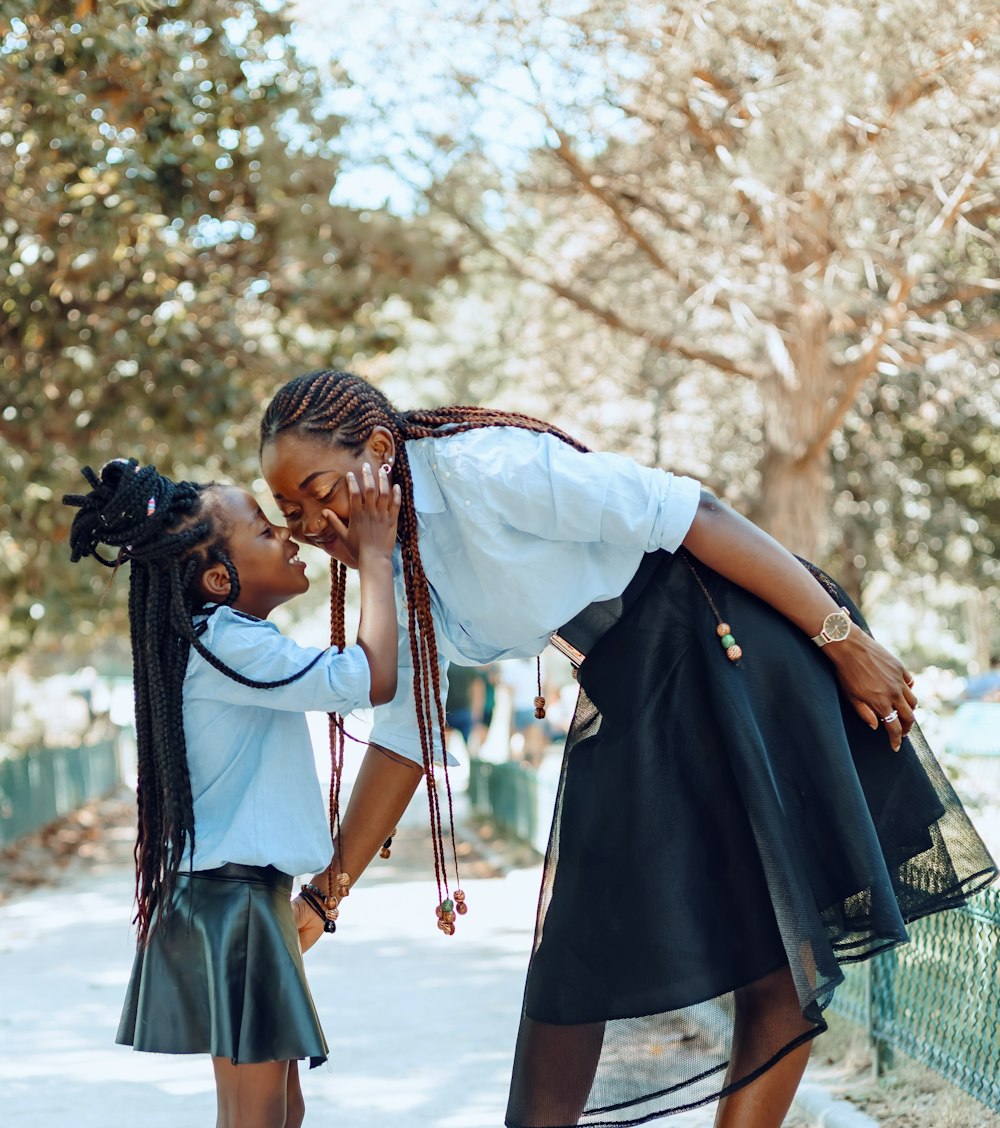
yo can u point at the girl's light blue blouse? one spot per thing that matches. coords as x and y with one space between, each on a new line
518 533
257 798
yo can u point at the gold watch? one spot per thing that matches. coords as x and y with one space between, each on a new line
836 627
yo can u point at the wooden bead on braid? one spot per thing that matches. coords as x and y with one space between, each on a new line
539 701
386 850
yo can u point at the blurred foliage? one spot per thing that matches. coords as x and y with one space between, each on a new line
168 256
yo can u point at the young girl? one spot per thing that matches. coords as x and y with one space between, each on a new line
229 802
733 821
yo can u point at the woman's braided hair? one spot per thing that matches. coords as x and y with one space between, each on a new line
345 409
169 533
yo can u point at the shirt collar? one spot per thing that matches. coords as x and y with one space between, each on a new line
427 496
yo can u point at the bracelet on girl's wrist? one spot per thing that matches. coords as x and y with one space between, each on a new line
314 899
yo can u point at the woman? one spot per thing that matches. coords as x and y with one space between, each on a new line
729 827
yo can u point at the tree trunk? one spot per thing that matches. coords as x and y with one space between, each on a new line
794 501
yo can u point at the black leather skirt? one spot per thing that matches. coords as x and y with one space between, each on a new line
222 974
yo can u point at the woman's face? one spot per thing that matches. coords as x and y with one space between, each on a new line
307 474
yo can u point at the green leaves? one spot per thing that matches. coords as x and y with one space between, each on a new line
168 256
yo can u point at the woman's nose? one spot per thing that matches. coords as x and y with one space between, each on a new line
313 523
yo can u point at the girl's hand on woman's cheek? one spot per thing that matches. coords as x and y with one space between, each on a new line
344 546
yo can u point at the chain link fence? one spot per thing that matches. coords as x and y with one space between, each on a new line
937 999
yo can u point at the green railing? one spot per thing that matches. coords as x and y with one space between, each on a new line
506 794
44 784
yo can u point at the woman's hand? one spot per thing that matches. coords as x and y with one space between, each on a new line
307 921
878 684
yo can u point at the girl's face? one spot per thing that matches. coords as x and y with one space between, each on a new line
308 477
265 556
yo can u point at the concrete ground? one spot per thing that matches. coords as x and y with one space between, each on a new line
421 1026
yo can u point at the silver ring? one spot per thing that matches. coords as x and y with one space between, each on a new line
893 716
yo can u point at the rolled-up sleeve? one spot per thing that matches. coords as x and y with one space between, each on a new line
338 682
395 725
678 505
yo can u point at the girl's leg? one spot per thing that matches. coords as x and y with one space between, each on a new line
764 1102
295 1105
556 1071
251 1096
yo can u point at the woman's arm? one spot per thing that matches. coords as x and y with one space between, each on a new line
874 679
381 793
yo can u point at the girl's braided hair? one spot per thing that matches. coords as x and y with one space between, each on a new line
170 533
345 409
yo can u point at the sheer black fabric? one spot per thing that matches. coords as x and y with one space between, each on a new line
725 836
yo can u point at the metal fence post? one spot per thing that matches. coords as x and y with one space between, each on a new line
881 1010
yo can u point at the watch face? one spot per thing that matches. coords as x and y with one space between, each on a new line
836 626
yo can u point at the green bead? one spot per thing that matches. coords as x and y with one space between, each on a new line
727 641
447 905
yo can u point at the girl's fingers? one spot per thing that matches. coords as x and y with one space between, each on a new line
335 522
384 488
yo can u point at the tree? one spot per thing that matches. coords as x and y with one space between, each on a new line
168 255
790 204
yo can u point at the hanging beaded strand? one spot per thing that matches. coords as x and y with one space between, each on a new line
450 904
339 887
540 699
734 652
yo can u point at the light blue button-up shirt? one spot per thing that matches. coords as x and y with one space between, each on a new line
519 532
257 797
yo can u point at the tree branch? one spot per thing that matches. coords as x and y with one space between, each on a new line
608 317
564 151
859 371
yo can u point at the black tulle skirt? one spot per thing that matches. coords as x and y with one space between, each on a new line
717 826
222 974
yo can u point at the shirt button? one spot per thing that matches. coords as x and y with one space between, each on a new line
467 502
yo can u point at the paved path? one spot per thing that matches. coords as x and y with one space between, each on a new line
421 1027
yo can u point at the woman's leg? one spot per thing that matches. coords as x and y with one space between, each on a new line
557 1067
770 1002
251 1096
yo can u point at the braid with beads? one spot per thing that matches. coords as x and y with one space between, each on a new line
169 533
345 409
